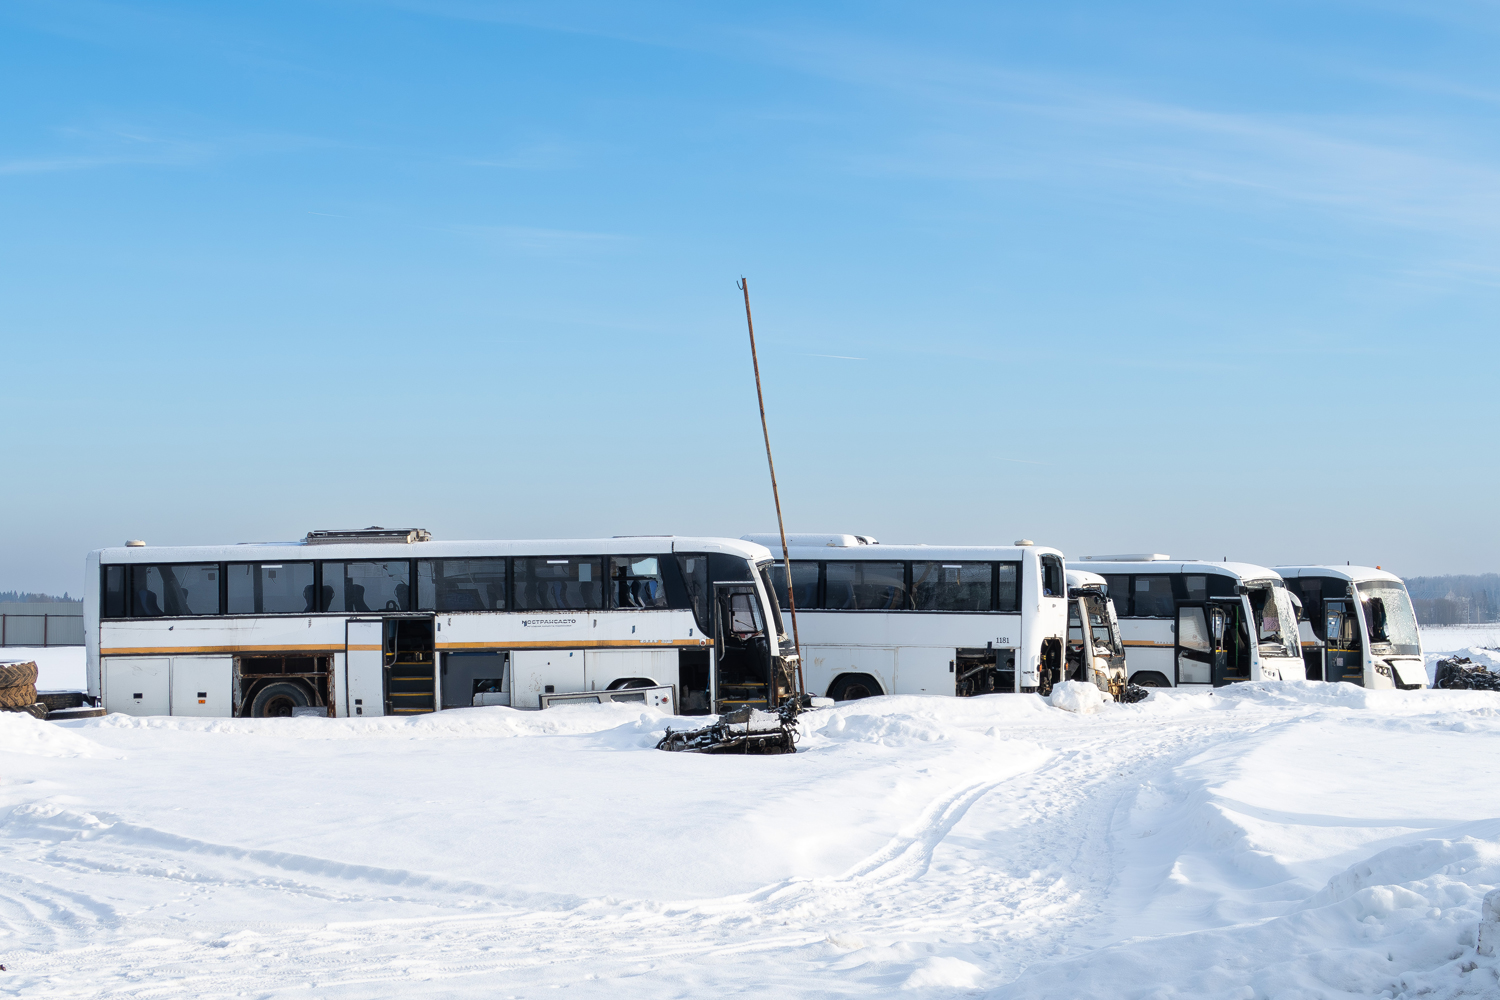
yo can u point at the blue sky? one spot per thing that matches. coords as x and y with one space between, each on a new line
1211 280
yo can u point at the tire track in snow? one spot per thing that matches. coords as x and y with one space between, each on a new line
1013 897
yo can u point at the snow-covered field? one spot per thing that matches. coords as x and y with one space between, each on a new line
1300 840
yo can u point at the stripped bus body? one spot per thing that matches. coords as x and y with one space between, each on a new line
1358 625
355 624
917 619
1096 649
1189 623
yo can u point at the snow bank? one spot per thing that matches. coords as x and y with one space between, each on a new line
22 734
1076 696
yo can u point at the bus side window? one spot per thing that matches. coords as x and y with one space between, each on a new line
1052 576
114 592
1119 592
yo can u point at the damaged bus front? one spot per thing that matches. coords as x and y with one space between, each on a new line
1190 622
1358 626
1095 651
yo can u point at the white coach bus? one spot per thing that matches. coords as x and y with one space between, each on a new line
1189 622
1358 625
918 619
388 622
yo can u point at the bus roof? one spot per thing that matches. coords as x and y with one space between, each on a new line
875 551
1084 578
1354 574
1244 572
366 551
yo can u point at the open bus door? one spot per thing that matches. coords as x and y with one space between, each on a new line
1343 654
1211 643
743 661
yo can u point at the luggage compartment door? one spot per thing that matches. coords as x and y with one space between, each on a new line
603 667
364 668
203 685
137 685
534 672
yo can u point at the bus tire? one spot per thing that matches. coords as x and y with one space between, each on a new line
1150 679
852 687
277 700
625 683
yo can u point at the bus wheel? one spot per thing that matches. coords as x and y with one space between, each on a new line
278 700
1150 679
852 687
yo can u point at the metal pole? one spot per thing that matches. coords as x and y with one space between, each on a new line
786 557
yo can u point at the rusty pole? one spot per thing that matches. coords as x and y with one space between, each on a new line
786 557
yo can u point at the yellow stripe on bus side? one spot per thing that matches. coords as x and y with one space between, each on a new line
1143 642
576 644
376 647
138 650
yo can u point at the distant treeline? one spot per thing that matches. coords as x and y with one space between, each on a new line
26 597
1455 600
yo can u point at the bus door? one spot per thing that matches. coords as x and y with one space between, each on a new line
1210 643
364 667
1343 653
389 666
743 660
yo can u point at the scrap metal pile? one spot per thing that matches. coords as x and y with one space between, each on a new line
1462 672
18 688
743 731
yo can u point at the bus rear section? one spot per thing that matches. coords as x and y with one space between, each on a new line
1358 626
880 619
1196 623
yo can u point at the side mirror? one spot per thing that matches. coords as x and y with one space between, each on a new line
1378 621
1297 605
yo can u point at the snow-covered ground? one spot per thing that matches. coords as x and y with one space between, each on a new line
1265 840
59 668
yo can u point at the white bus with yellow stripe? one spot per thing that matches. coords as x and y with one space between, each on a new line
1192 623
376 622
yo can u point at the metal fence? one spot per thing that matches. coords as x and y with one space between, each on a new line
41 630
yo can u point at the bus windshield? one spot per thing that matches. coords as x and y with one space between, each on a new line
1276 622
1106 637
771 594
1389 619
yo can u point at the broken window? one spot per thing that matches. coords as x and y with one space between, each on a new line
636 582
1389 619
953 586
1276 622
